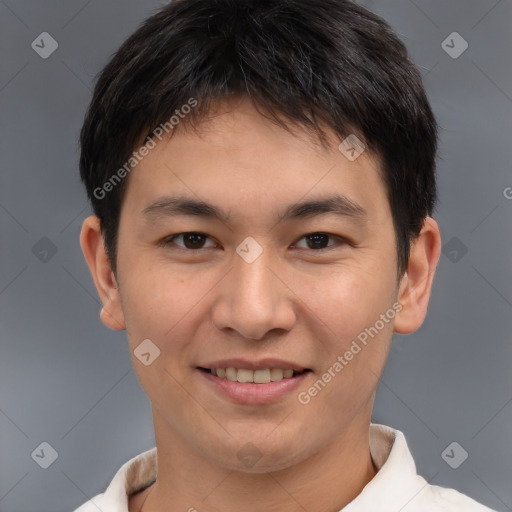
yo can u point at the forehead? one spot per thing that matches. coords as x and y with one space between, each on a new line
239 158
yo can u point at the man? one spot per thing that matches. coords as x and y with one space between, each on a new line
262 174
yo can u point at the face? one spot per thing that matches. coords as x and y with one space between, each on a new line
264 285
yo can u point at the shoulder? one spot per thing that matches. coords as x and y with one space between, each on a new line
444 499
133 476
93 505
398 486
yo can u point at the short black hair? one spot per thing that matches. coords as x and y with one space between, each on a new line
312 63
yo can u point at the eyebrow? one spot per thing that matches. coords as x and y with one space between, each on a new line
338 204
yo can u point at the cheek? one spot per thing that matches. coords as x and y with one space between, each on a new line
350 301
357 314
155 299
156 303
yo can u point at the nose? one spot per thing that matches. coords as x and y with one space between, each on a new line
254 299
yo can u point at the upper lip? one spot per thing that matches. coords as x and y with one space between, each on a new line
261 364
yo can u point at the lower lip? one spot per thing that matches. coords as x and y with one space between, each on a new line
251 393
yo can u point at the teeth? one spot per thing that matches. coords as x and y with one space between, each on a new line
257 376
276 374
245 376
261 376
231 374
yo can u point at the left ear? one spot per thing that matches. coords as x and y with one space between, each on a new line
416 283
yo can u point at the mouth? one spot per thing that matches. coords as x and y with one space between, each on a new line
253 387
261 376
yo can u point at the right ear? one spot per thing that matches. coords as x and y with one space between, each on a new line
93 247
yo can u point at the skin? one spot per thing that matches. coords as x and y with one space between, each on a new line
294 302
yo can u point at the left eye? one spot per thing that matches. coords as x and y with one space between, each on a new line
195 241
316 241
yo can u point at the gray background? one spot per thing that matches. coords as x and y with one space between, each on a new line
67 380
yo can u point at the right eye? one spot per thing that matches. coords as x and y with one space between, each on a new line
192 241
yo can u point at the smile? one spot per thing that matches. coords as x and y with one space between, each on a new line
256 376
253 387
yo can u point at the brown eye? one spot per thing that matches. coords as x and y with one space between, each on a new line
318 241
192 241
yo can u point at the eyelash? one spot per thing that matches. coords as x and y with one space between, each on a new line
169 240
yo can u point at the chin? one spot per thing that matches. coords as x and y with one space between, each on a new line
255 456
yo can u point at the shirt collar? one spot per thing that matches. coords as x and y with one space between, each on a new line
395 484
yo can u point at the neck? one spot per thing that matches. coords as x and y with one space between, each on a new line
326 481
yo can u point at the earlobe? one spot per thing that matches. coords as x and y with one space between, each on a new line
416 284
91 241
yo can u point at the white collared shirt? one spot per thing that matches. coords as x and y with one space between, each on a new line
395 488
